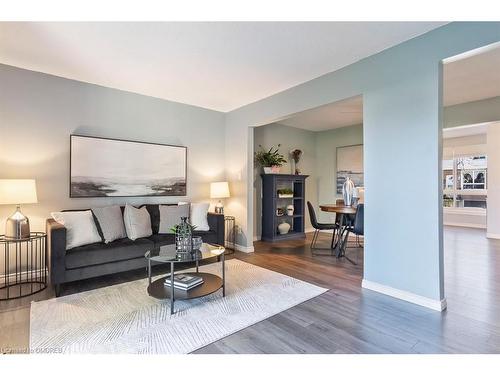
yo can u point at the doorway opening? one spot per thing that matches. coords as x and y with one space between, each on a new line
471 180
329 141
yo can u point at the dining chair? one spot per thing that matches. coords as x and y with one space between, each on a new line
318 227
358 226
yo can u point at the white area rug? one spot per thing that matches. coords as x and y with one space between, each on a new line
124 319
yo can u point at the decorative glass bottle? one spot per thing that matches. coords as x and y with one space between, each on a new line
183 237
347 191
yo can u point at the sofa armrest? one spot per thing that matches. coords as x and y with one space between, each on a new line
56 250
216 224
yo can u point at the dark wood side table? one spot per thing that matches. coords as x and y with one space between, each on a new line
25 266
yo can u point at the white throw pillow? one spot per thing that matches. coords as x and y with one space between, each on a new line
110 220
171 216
80 227
198 216
137 222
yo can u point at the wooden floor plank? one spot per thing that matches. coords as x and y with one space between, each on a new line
346 319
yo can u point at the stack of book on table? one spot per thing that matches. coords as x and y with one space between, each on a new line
184 282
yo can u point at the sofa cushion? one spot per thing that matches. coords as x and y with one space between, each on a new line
209 236
99 253
154 213
162 239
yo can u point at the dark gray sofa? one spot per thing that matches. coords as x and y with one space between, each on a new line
99 259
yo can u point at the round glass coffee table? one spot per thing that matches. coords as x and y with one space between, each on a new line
167 254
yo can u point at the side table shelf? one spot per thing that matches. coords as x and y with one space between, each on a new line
24 266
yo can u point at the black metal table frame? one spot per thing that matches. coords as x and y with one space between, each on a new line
339 245
172 274
230 222
35 269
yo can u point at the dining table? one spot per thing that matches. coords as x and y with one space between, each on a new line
339 239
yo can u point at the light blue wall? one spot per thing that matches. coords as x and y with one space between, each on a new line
401 88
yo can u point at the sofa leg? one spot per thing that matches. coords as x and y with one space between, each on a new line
57 289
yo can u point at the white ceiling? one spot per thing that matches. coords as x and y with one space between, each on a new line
336 115
466 130
472 78
216 65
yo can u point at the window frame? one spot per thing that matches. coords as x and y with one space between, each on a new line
455 191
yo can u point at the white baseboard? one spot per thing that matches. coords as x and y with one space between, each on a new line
256 238
494 236
466 225
405 296
245 249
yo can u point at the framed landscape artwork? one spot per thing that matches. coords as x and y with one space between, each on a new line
350 164
103 167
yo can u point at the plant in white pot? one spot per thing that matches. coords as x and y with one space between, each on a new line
271 160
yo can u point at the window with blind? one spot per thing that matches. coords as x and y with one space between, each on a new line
465 180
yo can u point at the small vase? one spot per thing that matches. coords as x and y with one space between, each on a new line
347 191
290 209
284 228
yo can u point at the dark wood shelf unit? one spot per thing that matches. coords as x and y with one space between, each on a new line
271 202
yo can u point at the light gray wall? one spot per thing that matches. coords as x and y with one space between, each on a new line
402 124
289 138
38 112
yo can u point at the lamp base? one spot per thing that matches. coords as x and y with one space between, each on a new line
17 226
219 208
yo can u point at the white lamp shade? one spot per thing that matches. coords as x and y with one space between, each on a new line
17 191
219 190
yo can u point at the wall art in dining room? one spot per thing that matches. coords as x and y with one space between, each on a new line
103 167
350 164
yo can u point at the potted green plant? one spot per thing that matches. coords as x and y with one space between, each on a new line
285 193
271 160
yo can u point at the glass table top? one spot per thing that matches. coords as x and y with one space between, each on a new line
168 254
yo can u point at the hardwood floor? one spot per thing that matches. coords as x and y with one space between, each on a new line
347 318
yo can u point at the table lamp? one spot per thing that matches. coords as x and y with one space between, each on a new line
219 190
17 192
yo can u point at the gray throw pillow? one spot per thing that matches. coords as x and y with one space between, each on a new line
171 216
137 222
111 222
